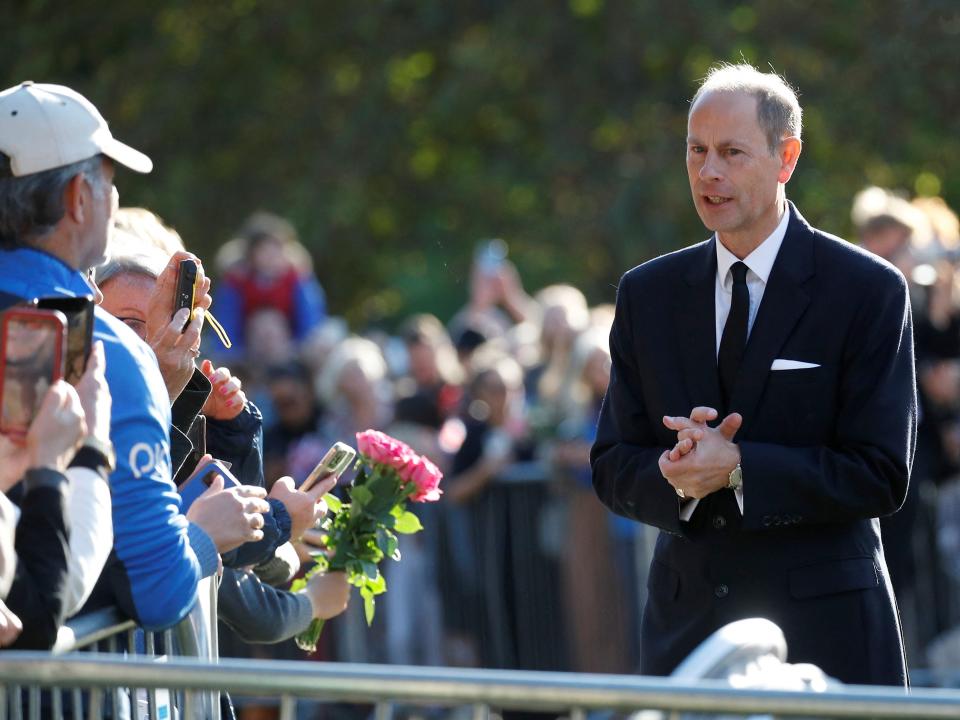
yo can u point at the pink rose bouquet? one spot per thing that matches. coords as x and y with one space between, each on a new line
361 532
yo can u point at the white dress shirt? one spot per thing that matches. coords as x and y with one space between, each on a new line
759 264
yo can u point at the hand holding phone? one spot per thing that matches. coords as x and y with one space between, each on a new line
198 483
32 356
231 516
57 430
163 303
185 295
335 461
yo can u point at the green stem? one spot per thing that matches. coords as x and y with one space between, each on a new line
307 640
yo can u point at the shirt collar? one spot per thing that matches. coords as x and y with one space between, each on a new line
760 261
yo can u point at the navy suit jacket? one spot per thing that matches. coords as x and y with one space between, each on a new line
825 451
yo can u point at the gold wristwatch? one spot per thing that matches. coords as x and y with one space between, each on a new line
735 478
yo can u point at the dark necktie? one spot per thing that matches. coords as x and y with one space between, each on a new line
734 338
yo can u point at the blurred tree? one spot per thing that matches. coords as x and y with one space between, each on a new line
395 134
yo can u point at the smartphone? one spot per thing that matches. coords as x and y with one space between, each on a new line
335 461
490 256
32 358
79 314
195 486
186 292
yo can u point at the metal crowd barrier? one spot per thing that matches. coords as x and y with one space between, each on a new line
106 633
564 694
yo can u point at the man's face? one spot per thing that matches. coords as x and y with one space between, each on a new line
100 220
733 176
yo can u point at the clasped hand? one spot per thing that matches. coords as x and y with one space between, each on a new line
701 461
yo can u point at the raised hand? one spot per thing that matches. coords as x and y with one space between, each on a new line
57 430
176 341
95 396
226 399
304 508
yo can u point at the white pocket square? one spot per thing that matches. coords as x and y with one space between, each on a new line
781 364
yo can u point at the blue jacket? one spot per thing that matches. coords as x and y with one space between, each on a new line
158 556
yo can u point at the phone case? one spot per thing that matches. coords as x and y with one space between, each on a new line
198 484
186 286
32 359
79 314
335 461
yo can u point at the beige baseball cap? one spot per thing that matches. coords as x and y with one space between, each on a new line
48 126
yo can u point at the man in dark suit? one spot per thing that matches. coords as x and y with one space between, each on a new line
803 345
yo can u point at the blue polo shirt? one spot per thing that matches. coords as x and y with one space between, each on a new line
154 569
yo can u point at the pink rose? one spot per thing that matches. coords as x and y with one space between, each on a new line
426 476
383 449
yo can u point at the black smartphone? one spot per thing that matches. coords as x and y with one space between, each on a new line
32 344
79 314
186 292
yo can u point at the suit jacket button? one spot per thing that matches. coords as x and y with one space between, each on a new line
721 591
719 522
766 521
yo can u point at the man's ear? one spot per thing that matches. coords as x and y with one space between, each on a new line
789 154
74 199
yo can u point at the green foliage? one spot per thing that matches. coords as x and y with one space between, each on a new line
397 133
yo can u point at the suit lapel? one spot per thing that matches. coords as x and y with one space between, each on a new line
784 302
696 329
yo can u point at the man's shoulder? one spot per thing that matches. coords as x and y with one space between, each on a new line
131 365
670 267
121 344
840 257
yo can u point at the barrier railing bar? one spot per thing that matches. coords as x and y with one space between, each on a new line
522 690
76 704
288 707
189 706
89 628
34 703
95 704
383 711
16 704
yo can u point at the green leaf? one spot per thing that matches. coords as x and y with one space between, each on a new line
361 496
377 585
369 607
370 569
334 503
387 542
408 523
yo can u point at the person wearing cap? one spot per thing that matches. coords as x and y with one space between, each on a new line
57 199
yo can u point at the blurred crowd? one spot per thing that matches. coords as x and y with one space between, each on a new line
520 565
922 238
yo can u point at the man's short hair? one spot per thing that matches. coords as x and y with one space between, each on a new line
778 110
32 205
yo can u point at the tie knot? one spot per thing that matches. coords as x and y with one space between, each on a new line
739 272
